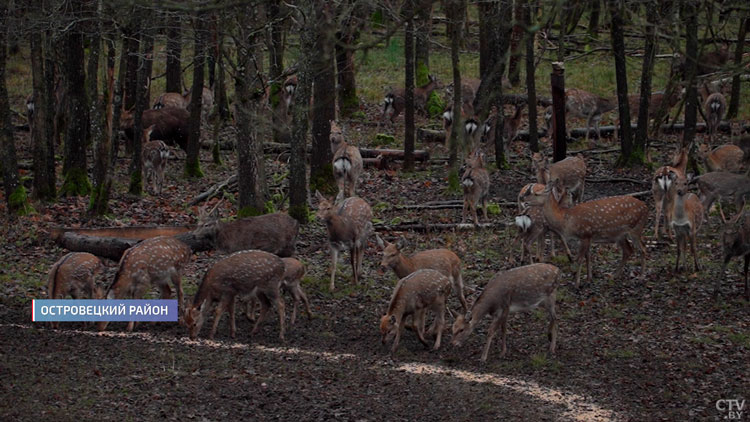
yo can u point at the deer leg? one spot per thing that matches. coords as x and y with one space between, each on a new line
627 250
588 126
334 259
281 310
265 304
459 286
177 281
419 321
303 296
440 318
658 205
496 322
353 261
217 316
250 306
680 247
582 254
504 331
399 329
553 327
232 325
692 249
484 208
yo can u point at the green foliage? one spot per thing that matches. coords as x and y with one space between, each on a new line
421 74
275 94
136 183
377 18
435 105
359 114
19 201
349 104
323 181
76 183
383 139
380 207
193 169
99 201
493 209
249 211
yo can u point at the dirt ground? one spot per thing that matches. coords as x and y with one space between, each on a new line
648 346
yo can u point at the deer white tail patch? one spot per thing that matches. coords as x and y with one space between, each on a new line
523 222
470 127
467 182
342 165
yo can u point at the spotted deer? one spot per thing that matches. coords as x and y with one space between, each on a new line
715 108
152 262
74 274
663 190
584 105
520 289
476 186
722 158
736 128
422 290
735 240
238 274
294 270
349 225
395 102
155 155
442 260
607 220
687 218
720 185
347 163
571 171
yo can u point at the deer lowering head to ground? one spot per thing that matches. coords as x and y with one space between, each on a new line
720 185
663 189
476 185
608 220
571 171
687 217
152 262
531 224
238 274
74 274
722 158
395 102
443 260
416 293
519 289
155 155
349 225
347 163
715 108
655 103
735 240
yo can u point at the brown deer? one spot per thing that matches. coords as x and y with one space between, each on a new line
74 274
511 124
736 128
519 289
655 103
416 293
607 220
154 155
443 260
719 185
152 262
290 88
722 158
476 186
735 240
347 163
715 108
662 187
238 274
349 226
584 105
294 271
395 102
171 124
572 172
744 144
687 218
466 111
171 99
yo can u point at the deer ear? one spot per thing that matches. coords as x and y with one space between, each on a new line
392 320
319 196
401 243
467 317
380 242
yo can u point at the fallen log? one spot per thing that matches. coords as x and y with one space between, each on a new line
421 227
214 190
380 162
616 180
445 205
429 135
395 154
105 247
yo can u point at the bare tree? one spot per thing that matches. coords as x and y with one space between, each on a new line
174 52
324 97
734 102
408 12
628 155
689 15
641 135
192 159
530 73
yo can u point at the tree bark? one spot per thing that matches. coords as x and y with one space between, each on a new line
409 86
276 67
15 195
734 102
99 204
517 33
174 53
132 34
641 134
629 154
141 104
324 100
530 73
423 29
44 181
689 17
596 8
455 10
192 159
349 26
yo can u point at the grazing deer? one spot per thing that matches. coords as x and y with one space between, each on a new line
74 274
349 226
395 101
519 289
416 293
718 185
154 155
687 217
607 220
238 274
715 108
476 185
155 261
735 239
347 163
572 172
443 260
722 158
171 124
584 105
655 103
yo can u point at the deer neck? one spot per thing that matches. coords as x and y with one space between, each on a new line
542 175
554 214
404 266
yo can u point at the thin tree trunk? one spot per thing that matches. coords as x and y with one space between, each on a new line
690 18
324 106
423 29
212 49
15 194
485 34
628 156
132 35
141 100
98 125
734 102
44 181
174 53
455 10
530 79
641 134
517 33
409 86
596 8
99 204
192 159
276 67
220 90
347 95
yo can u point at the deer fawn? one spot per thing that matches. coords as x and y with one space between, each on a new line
476 185
294 270
715 108
735 239
74 274
663 189
238 274
722 158
442 260
154 155
687 217
519 289
347 163
394 102
584 105
571 171
416 293
719 185
153 261
349 226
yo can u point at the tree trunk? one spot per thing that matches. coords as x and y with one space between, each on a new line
530 73
99 204
596 9
346 37
517 33
455 11
97 112
276 46
52 132
630 155
192 159
409 86
690 18
74 163
132 35
15 194
485 33
324 102
559 132
220 90
44 180
174 53
423 30
141 104
734 103
641 134
212 49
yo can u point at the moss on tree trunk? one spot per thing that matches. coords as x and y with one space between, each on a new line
76 183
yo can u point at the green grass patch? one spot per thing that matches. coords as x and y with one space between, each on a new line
620 354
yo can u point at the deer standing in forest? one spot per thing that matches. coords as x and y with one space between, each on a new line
155 155
663 189
395 102
722 158
687 218
347 163
571 171
476 186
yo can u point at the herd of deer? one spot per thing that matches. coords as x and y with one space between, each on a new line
553 204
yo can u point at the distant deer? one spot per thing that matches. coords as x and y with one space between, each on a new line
715 108
663 189
471 134
607 220
152 262
349 225
416 293
174 99
735 239
443 260
238 274
655 103
722 158
154 155
584 105
572 172
290 88
170 124
476 185
511 124
722 185
448 118
687 218
736 128
395 102
347 163
531 224
519 289
74 274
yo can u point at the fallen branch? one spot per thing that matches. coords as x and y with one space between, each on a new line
641 193
105 247
421 227
617 180
444 205
214 190
429 135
